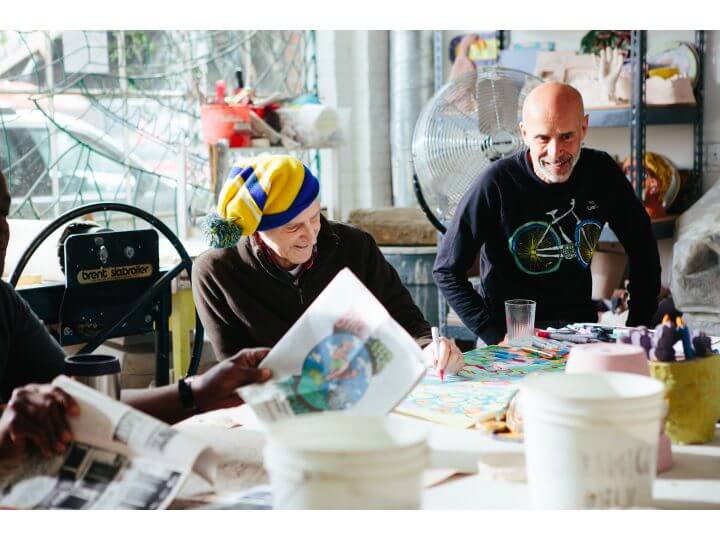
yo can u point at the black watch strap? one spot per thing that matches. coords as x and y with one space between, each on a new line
187 398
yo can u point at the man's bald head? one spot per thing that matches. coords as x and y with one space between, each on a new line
553 128
553 99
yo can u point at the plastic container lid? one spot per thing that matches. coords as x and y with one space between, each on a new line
91 365
346 446
340 432
593 388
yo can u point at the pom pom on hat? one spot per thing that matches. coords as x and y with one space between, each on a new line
219 232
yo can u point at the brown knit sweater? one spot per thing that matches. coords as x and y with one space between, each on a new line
244 300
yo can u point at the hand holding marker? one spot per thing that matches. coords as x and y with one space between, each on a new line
436 344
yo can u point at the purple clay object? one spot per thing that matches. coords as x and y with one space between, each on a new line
656 334
702 344
659 331
666 338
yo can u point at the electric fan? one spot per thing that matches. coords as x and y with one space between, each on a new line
469 123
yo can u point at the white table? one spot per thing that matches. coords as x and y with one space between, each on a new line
692 483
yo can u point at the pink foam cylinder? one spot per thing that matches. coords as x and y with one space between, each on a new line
626 358
595 357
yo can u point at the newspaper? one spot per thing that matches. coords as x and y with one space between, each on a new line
239 459
120 458
344 353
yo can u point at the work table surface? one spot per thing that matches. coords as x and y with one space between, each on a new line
692 483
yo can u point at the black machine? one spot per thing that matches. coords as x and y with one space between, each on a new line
113 286
104 272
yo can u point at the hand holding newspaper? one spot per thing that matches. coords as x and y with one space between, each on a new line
120 458
344 353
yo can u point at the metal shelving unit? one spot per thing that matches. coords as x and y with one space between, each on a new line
654 115
640 115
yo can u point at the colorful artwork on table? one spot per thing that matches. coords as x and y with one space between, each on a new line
473 400
481 390
502 366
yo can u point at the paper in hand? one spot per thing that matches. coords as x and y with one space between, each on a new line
344 353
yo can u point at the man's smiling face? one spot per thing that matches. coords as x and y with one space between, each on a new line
553 128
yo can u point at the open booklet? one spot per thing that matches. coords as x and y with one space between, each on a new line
344 353
120 458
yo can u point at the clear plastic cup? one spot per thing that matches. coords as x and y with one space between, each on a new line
520 322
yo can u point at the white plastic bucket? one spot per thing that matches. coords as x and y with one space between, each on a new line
591 439
340 461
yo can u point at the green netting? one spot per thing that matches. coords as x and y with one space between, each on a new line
114 116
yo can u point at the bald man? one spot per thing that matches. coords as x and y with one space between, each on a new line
535 219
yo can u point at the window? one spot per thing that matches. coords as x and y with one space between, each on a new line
28 151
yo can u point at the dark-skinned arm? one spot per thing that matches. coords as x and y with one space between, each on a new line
214 389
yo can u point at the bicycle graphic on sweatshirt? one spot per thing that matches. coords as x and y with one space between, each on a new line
539 247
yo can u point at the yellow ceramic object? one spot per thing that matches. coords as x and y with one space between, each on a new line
692 388
662 170
664 72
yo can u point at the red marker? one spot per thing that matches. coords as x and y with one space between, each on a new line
442 375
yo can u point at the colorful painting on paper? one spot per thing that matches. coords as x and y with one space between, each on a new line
456 397
481 389
502 366
336 373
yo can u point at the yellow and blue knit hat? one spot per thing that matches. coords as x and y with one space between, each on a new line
260 193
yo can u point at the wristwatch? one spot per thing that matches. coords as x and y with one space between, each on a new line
187 398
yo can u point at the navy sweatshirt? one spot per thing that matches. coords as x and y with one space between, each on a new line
536 240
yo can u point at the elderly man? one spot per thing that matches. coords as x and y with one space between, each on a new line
35 414
278 254
535 220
